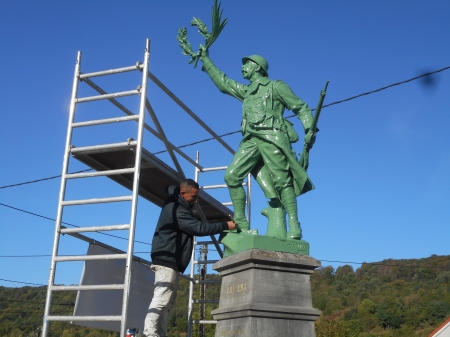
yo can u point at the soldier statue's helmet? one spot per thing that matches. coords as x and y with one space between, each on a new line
259 60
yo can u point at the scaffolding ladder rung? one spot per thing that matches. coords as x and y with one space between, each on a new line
83 318
99 173
94 229
90 257
89 287
105 121
95 201
204 301
107 96
207 281
206 262
209 169
230 203
210 187
203 243
195 321
137 66
104 147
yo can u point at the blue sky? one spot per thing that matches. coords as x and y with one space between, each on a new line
381 163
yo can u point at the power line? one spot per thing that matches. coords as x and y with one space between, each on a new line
34 284
48 255
234 132
39 180
345 262
21 312
66 223
36 302
386 87
388 265
25 255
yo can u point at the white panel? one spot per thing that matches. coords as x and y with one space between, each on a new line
109 302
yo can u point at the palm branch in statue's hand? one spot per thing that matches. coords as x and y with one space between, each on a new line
210 37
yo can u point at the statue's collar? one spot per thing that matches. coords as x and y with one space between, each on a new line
254 86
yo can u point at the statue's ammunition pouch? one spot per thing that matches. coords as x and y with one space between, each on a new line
292 134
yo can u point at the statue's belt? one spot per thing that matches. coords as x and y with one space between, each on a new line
266 125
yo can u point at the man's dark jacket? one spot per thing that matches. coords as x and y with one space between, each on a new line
173 240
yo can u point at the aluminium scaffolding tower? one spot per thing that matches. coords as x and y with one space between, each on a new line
130 165
62 202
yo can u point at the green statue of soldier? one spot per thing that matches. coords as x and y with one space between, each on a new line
265 150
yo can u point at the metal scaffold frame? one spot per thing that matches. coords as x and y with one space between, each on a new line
109 160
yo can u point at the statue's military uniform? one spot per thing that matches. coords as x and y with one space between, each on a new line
265 149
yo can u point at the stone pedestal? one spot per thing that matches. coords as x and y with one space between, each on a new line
265 294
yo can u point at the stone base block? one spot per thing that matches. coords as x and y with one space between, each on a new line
258 326
265 293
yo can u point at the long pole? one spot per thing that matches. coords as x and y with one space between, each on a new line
62 191
137 165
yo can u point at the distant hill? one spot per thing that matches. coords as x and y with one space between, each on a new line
390 298
398 298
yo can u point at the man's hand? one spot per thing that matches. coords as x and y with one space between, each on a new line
231 225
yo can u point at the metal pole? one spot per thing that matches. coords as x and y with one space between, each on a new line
137 165
196 172
190 112
62 191
192 284
165 141
202 306
191 293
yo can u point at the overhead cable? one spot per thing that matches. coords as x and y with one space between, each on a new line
39 180
34 284
48 255
238 131
37 302
66 223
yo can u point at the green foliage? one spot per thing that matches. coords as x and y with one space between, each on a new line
22 309
396 298
217 25
391 298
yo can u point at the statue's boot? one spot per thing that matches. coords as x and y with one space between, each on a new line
277 219
237 195
289 201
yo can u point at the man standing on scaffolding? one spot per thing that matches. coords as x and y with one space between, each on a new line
265 150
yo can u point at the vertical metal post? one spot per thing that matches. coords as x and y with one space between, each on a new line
197 170
191 293
62 192
137 165
191 285
202 306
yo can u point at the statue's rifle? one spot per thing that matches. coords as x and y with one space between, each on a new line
304 159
